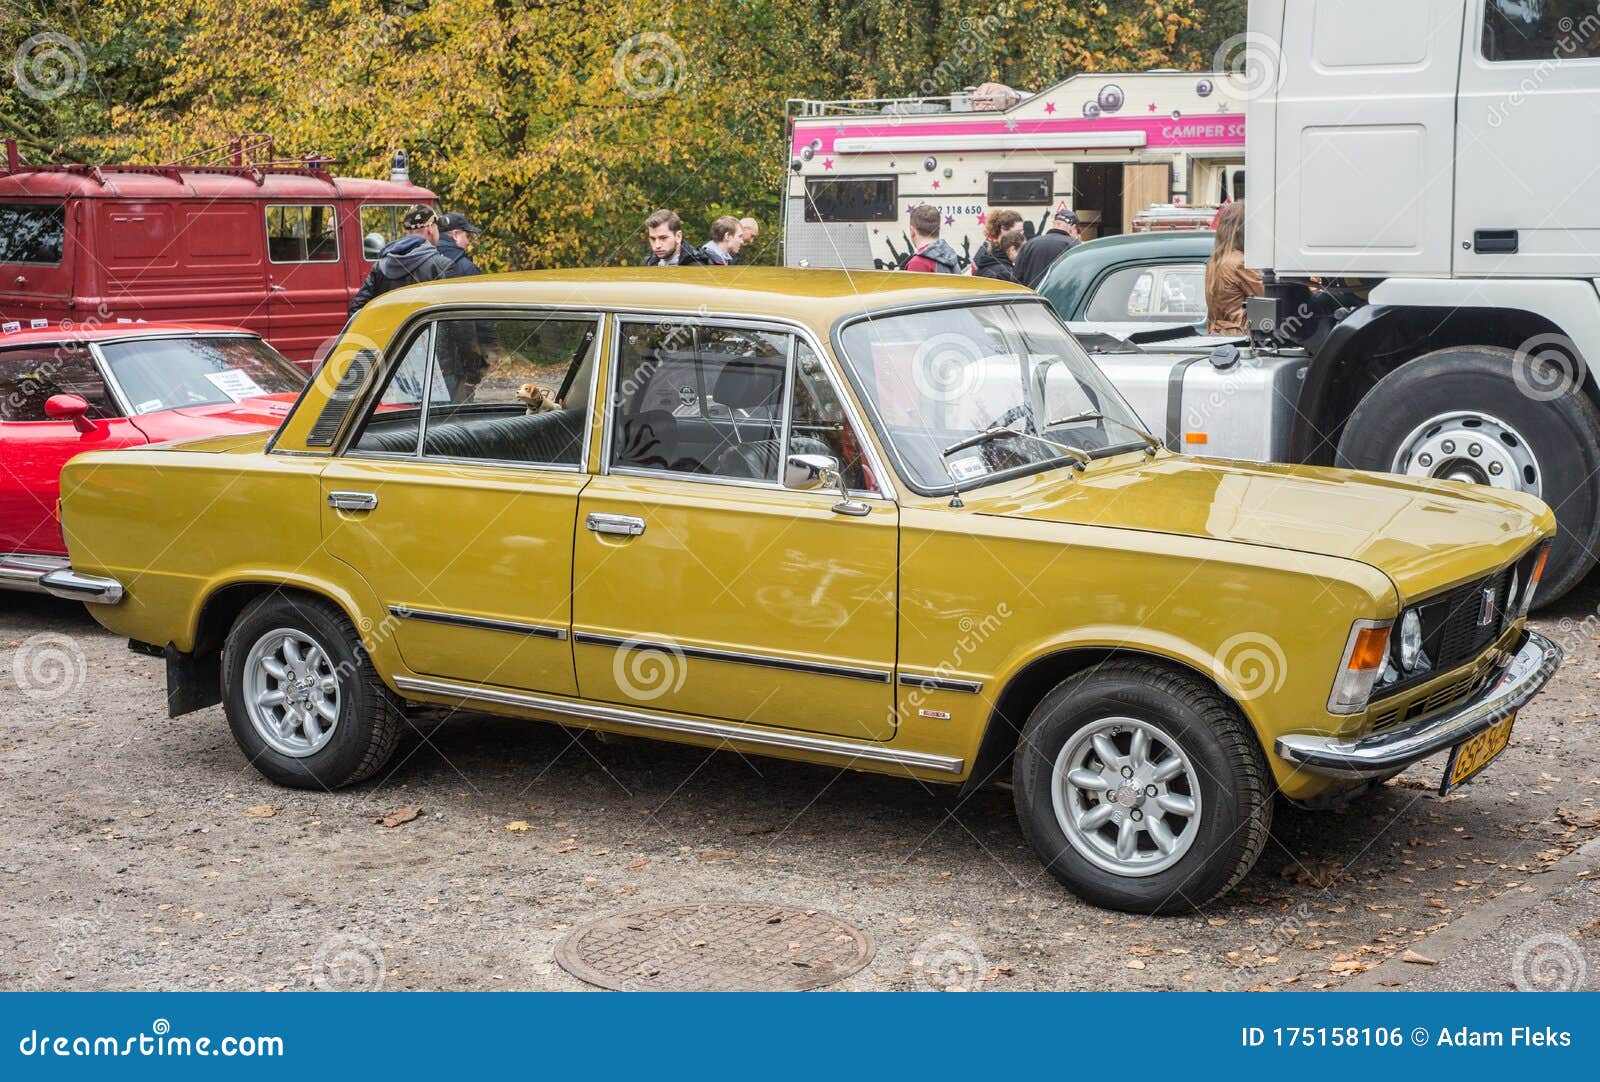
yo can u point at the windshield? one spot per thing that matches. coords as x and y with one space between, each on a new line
935 378
157 374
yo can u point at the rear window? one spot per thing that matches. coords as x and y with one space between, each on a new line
157 374
32 232
856 199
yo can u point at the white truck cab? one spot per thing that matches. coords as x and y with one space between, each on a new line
1425 210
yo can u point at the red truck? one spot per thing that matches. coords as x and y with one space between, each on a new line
277 247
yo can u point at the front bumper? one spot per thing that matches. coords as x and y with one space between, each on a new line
54 575
1530 669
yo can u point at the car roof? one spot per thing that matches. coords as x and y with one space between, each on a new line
810 296
1067 282
108 332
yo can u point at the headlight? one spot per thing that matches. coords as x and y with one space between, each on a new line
1413 659
1364 656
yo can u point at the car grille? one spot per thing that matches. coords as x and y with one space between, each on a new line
1453 631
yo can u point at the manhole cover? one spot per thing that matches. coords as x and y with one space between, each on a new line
712 946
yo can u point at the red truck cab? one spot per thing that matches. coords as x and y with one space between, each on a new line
278 248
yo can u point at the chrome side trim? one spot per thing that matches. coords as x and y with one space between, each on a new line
687 726
940 683
93 589
1531 668
23 571
768 661
515 627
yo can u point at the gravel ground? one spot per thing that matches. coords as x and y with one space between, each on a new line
142 853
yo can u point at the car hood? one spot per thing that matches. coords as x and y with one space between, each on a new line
1425 535
225 418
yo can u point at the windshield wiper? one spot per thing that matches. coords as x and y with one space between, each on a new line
1152 445
1079 456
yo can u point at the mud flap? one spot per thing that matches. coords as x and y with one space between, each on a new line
193 683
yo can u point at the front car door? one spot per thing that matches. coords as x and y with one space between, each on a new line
456 498
703 585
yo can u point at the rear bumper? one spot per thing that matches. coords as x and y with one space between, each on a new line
1530 669
54 575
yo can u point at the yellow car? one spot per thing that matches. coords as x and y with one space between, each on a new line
888 521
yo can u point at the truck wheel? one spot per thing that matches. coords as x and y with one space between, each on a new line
1461 414
301 695
1142 788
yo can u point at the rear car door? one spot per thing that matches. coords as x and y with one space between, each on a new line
703 585
455 500
34 446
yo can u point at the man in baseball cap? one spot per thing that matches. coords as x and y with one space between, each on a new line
411 259
1036 256
456 234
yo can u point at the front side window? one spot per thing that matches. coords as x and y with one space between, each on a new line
380 227
1010 370
1173 294
30 375
491 390
699 400
1556 30
852 199
300 233
32 232
157 374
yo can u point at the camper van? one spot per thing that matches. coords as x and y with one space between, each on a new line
1109 147
277 248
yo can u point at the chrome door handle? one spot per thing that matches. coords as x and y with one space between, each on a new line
352 501
619 525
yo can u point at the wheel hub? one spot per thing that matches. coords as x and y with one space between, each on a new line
1471 447
291 692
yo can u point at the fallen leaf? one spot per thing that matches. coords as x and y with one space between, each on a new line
996 972
712 855
1134 963
1418 959
399 815
517 826
261 811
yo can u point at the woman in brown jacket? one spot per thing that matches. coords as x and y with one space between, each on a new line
1228 281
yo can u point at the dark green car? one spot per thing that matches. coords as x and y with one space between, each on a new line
1155 278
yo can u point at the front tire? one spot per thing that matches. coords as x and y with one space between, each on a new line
304 702
1142 788
1426 417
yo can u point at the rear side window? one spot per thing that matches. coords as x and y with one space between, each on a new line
1540 30
1170 294
301 233
32 232
855 199
32 374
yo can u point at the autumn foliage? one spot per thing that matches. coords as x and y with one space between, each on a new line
556 125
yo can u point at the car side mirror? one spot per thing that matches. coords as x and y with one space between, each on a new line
69 407
810 472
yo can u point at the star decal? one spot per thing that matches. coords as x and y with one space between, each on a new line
982 217
838 129
1011 123
1153 107
1222 107
1049 106
910 207
936 185
949 219
827 163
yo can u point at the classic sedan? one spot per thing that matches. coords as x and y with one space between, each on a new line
1138 280
64 391
882 521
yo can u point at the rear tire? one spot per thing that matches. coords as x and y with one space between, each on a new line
304 702
1138 750
1552 443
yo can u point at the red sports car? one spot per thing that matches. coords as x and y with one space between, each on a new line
64 391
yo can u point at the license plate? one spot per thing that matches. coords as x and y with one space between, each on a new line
1468 758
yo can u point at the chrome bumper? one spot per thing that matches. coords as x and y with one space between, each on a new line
23 570
1530 669
93 589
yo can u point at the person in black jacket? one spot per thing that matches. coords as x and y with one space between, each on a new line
409 260
1046 248
456 234
994 260
664 230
